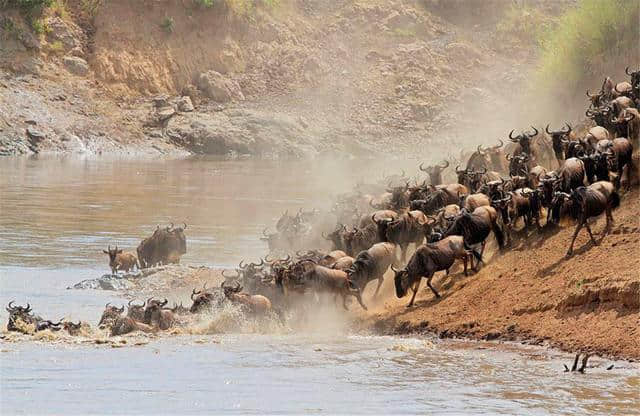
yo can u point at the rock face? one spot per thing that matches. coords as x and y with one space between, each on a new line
106 282
76 65
219 88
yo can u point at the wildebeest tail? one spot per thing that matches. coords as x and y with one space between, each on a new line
615 199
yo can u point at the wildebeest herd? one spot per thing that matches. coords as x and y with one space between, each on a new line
542 176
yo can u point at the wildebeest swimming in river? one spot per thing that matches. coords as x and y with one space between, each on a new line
166 245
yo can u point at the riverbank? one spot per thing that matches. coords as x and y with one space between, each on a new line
588 303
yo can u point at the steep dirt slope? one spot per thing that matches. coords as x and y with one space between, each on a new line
589 302
299 78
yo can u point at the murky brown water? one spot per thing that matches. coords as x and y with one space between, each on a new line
56 216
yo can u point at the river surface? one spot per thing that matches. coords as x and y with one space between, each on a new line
58 214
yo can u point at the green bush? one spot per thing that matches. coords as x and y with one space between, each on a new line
28 6
521 23
204 3
167 24
589 42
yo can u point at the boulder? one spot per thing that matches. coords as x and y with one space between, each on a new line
76 65
219 88
185 105
63 31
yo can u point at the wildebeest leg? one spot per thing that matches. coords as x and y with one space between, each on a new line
415 291
358 296
380 281
464 259
431 287
575 234
593 240
344 302
607 227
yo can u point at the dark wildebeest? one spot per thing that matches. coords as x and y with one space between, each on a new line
426 261
408 228
136 311
361 239
155 314
476 226
337 238
559 139
537 147
371 264
120 261
592 201
435 172
112 318
165 245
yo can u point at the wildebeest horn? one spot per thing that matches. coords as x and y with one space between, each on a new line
515 139
626 71
500 145
589 113
568 128
479 149
185 225
446 164
591 96
630 116
424 170
371 203
457 170
107 305
261 263
11 307
170 227
534 134
266 258
394 269
240 265
129 303
323 236
547 129
508 156
232 277
223 284
615 87
28 308
373 218
121 309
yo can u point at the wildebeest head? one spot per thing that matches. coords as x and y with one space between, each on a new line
202 300
621 123
478 160
112 253
401 280
435 172
110 314
600 115
399 197
153 305
502 206
229 291
559 139
495 154
462 176
136 312
518 164
337 237
383 225
19 313
524 140
635 77
71 328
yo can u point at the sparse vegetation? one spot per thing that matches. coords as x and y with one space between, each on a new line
522 23
204 3
167 24
594 38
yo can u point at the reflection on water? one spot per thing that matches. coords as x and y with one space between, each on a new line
56 217
66 211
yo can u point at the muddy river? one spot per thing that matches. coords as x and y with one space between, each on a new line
56 217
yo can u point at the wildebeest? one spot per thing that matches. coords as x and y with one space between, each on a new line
476 226
537 147
112 318
203 300
155 314
371 264
559 139
360 239
136 311
256 304
121 261
324 280
410 227
592 201
435 172
165 245
426 261
572 174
